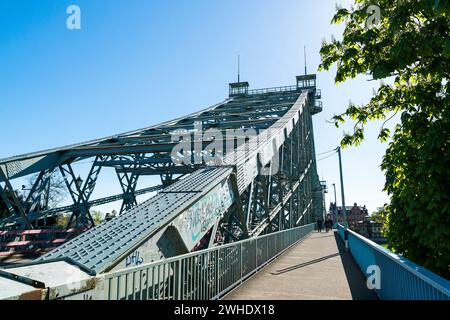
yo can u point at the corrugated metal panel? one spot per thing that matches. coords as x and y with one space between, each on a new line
101 246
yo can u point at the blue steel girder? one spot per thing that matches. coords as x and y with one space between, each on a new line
282 189
282 184
62 156
40 161
238 214
11 201
150 171
37 199
80 194
23 165
260 112
33 216
81 212
128 183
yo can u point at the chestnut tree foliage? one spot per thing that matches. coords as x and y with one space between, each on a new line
410 48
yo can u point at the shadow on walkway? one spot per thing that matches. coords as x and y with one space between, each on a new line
304 264
324 235
355 278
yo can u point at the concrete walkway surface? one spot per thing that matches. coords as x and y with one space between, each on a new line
318 268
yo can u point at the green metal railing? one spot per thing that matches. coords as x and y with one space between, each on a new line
203 275
273 90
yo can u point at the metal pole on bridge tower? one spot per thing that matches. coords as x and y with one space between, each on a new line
306 71
344 209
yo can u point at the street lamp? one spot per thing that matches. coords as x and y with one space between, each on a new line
335 211
79 181
344 209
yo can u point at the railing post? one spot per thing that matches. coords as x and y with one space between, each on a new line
256 254
217 274
275 244
179 280
241 262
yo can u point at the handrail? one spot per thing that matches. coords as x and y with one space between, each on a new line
207 274
204 275
274 90
283 89
400 277
193 254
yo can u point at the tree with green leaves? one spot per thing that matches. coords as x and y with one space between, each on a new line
97 216
381 216
408 45
62 220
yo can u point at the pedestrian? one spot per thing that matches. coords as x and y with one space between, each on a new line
327 224
319 225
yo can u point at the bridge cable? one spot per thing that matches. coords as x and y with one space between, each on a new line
329 156
322 153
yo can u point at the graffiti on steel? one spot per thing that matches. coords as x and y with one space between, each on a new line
195 222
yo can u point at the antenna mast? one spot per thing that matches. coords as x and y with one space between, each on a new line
306 72
239 68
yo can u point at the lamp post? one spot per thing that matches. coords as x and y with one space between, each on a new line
335 211
344 209
79 182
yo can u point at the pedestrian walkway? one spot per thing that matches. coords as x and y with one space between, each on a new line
318 268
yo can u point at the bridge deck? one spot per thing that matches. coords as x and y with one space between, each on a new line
318 268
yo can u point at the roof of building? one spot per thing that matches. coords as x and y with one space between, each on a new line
239 84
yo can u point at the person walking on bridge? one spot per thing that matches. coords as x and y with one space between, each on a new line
319 225
328 224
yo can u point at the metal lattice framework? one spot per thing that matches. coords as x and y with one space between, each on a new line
269 178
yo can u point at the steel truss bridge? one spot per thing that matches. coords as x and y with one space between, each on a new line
238 189
241 169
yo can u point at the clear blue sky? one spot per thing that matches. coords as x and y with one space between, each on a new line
138 62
